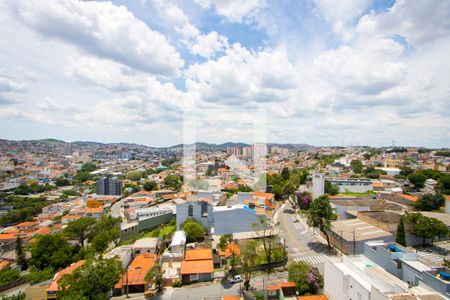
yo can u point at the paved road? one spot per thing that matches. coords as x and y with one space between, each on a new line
303 244
224 288
115 208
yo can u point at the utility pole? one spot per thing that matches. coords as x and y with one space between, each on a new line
126 275
342 250
354 241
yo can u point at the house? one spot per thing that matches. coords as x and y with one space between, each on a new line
146 245
227 254
285 289
94 212
197 266
133 279
123 253
53 288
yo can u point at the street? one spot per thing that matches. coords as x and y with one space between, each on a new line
223 288
303 244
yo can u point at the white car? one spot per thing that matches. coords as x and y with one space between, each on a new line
235 279
294 219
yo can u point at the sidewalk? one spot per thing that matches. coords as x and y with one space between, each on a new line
314 231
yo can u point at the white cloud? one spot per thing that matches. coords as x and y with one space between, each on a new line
208 45
102 29
339 14
242 77
419 22
233 10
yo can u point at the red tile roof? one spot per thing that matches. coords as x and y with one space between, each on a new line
198 254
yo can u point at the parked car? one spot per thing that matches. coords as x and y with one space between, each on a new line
235 279
294 219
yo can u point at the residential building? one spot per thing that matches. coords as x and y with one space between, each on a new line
197 266
359 278
318 185
123 253
146 245
109 186
54 287
350 235
352 185
134 277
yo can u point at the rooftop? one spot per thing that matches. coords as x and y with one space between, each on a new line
197 266
198 254
363 230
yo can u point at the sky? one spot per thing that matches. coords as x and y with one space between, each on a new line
322 72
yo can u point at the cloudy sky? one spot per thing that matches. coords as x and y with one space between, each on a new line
323 72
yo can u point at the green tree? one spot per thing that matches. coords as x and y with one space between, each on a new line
150 185
429 202
88 167
224 242
266 232
134 175
307 279
8 275
425 227
194 231
444 184
401 234
61 181
82 176
248 260
79 229
20 255
331 189
356 166
36 276
285 173
417 179
108 224
94 280
406 171
101 241
288 190
51 250
320 214
173 181
154 275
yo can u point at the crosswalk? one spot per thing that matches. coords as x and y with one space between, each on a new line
315 259
431 257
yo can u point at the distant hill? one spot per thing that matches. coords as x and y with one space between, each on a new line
199 145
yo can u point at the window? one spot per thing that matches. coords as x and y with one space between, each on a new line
190 210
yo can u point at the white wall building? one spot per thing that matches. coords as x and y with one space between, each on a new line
318 188
358 278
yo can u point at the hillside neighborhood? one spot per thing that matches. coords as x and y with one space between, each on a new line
122 221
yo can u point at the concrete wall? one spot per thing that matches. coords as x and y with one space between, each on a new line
334 282
341 210
150 223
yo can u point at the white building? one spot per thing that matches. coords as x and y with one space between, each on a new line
123 253
318 188
146 245
358 278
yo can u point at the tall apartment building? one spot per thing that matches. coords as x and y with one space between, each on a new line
109 186
247 151
68 149
234 150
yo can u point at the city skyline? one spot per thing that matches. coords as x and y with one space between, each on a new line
357 73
